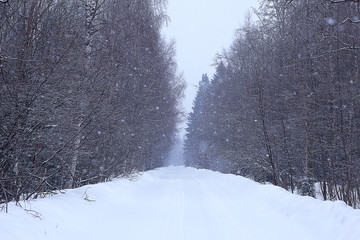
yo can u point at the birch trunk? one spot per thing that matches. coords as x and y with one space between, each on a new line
91 7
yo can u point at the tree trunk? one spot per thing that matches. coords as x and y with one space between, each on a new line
91 7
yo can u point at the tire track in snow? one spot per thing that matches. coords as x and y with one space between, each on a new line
222 215
174 226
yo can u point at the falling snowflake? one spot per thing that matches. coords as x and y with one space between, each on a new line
330 21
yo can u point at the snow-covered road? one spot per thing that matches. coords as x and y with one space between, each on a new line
180 203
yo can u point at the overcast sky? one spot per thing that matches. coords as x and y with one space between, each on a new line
201 28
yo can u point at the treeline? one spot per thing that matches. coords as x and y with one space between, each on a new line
284 104
88 92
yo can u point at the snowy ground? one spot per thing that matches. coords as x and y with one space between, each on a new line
180 203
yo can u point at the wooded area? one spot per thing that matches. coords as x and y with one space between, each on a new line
88 92
284 104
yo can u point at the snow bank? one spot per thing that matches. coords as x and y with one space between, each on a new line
180 203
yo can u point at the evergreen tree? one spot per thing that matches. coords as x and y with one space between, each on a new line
195 145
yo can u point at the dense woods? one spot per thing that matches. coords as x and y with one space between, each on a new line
284 104
88 92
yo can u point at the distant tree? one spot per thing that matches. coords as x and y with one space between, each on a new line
195 145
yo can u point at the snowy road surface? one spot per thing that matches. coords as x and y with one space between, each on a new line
180 203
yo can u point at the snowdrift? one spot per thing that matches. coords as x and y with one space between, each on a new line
180 203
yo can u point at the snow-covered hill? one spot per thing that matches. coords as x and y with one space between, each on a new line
180 203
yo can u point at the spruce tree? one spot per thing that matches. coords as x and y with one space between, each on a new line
195 144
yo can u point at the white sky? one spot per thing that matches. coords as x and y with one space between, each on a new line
202 28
